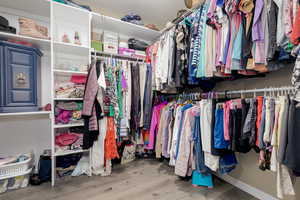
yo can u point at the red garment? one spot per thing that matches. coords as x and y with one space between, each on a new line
295 35
110 148
258 119
78 79
66 139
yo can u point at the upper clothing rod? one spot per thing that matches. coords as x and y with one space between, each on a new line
287 88
118 56
198 94
182 17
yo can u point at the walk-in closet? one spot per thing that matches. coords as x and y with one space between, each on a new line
173 99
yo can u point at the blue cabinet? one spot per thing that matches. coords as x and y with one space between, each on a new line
19 77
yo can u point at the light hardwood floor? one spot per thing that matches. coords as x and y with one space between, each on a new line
139 180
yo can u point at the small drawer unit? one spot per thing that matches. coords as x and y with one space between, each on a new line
19 77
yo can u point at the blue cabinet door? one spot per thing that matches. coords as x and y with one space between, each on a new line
21 84
18 79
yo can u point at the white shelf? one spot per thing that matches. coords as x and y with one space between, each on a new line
68 99
25 113
34 7
69 48
68 125
124 28
67 72
42 44
69 152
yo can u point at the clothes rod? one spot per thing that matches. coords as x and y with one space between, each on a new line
287 88
118 56
182 17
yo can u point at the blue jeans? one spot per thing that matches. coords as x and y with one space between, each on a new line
199 154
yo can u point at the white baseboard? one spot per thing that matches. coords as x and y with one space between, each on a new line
246 188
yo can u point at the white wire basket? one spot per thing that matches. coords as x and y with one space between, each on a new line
15 169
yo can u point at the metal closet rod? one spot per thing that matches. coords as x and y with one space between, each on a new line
199 95
183 16
270 89
102 54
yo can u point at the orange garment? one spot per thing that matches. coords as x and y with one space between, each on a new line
295 35
258 119
110 148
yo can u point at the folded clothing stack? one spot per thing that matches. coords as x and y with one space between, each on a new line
65 165
72 89
133 18
68 112
68 141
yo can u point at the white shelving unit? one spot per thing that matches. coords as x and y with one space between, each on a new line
62 19
68 20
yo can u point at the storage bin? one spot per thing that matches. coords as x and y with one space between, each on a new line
110 42
19 77
15 182
126 51
110 47
97 45
15 169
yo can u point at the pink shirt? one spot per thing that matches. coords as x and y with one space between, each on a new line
155 124
226 120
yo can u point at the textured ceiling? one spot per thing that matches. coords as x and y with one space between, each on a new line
157 12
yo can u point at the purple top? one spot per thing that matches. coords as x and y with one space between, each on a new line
257 29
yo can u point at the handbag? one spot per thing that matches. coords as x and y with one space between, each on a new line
128 154
4 26
44 173
137 44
